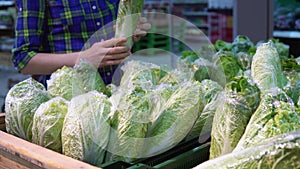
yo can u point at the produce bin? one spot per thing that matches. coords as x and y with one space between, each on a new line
18 153
188 159
185 160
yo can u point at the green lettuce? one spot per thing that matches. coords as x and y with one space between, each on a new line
176 118
203 124
128 16
48 122
141 74
244 60
282 49
279 152
130 123
61 83
202 69
241 43
87 78
160 96
86 128
266 67
240 99
275 115
229 63
292 88
21 102
69 82
222 45
175 77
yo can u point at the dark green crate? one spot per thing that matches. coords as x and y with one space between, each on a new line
148 163
185 160
116 165
153 41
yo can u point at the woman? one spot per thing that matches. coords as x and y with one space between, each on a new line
52 33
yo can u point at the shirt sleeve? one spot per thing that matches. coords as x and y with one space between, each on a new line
29 32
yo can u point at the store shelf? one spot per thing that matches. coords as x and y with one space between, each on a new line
287 34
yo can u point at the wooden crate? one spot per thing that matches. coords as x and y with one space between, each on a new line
21 154
2 122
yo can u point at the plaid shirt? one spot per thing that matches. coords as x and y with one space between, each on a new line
62 26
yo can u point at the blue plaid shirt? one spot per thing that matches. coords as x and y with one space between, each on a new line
62 26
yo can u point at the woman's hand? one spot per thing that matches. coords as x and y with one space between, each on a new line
141 30
105 54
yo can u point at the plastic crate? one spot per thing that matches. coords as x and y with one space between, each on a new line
150 162
150 44
185 160
162 38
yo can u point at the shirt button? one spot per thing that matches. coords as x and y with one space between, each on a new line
94 7
108 73
98 23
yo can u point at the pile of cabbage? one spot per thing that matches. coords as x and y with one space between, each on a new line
78 116
239 96
258 124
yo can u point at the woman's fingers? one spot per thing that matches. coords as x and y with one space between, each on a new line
112 42
118 56
111 62
119 49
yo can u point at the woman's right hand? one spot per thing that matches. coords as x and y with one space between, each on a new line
105 53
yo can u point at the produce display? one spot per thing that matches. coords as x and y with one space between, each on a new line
244 96
268 137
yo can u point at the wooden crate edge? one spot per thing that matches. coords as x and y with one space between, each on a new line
2 122
26 153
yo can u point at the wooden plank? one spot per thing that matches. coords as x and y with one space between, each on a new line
2 127
2 122
15 150
6 163
2 118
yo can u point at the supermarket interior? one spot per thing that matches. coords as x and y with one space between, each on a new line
250 49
